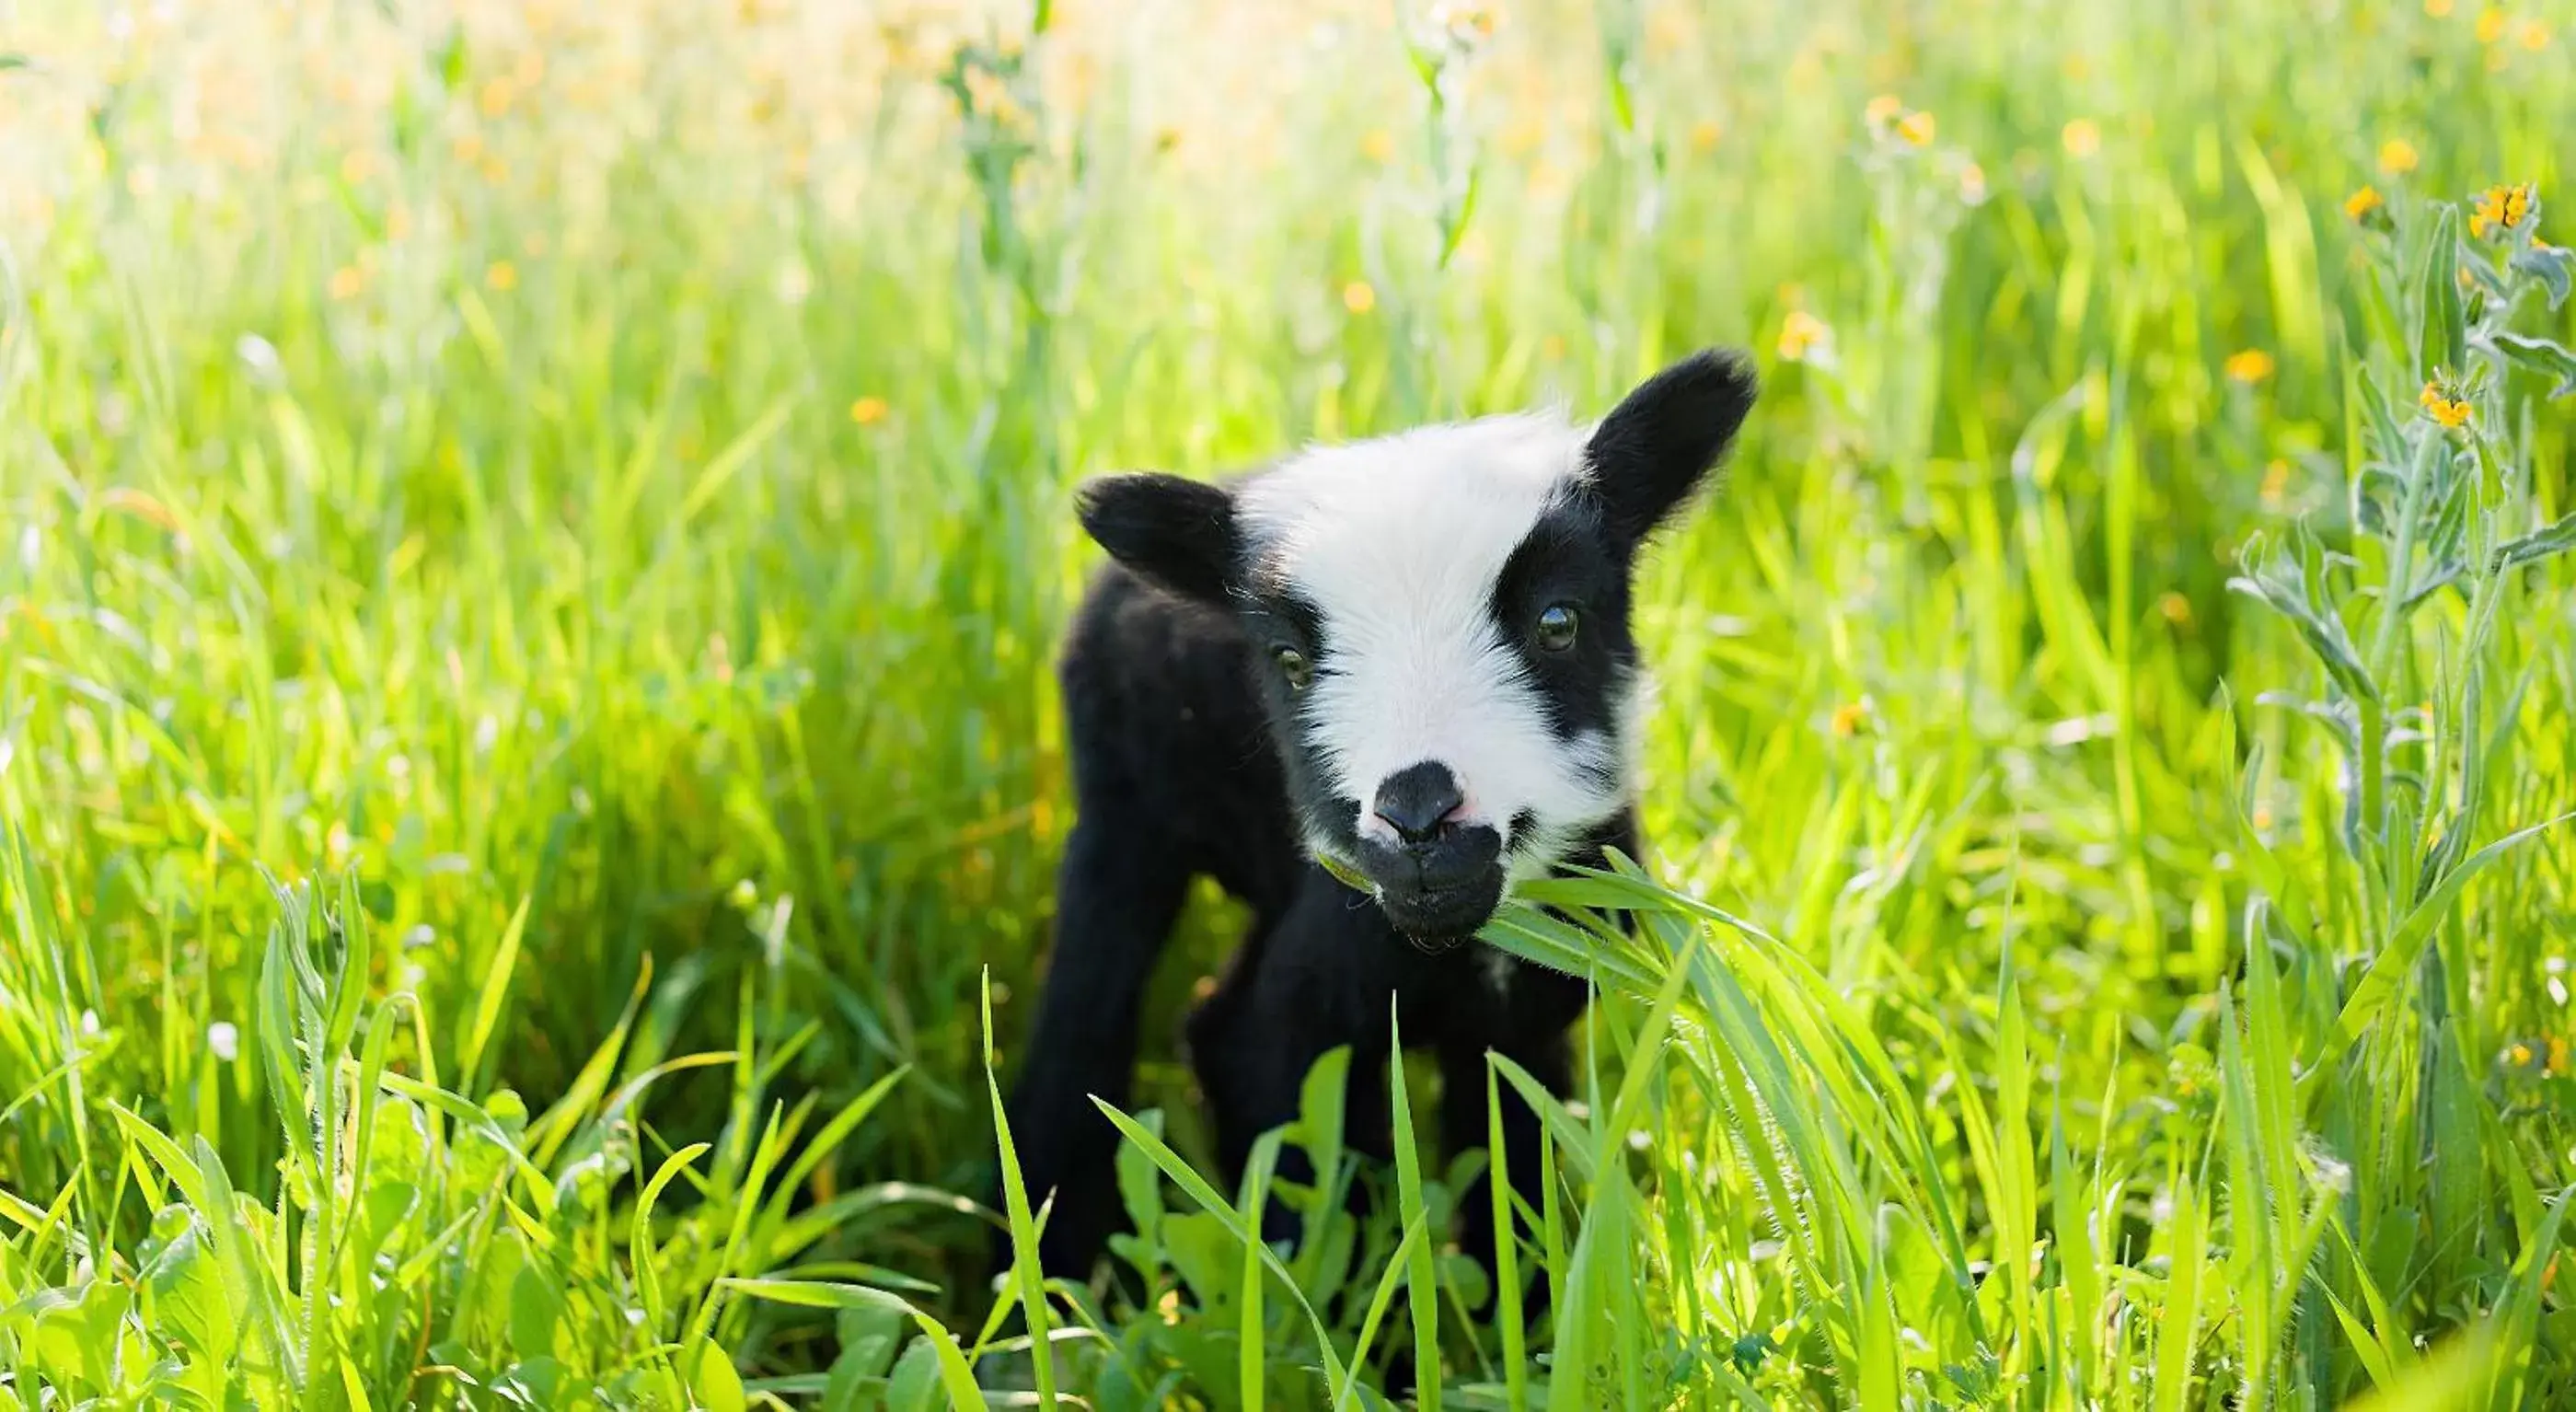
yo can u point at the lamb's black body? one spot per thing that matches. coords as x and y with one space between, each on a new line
1176 776
1412 655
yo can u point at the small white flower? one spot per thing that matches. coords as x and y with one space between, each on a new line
224 1040
259 356
795 282
89 1023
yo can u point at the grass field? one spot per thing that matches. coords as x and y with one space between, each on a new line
533 541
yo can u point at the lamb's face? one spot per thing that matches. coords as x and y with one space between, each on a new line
1440 621
1440 625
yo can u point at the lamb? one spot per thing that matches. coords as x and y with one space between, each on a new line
1405 660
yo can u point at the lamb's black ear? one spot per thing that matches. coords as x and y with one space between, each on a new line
1651 452
1174 532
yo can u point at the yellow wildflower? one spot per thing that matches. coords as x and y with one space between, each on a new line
2438 9
1972 183
1705 133
1916 129
1358 297
2519 1056
2397 156
1801 334
2248 366
868 411
2363 204
1883 109
1378 146
346 282
2557 1060
2490 25
1849 717
2441 406
2175 608
2081 138
2533 36
502 276
2501 208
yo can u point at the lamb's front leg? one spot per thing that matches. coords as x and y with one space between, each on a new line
1295 993
1119 895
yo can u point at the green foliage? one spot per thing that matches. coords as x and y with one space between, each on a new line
529 548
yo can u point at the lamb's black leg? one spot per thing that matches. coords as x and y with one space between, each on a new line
1465 1123
1284 1004
1118 895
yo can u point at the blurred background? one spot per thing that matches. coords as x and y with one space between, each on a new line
601 474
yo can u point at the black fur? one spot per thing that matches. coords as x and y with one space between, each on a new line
1174 710
1177 533
1653 450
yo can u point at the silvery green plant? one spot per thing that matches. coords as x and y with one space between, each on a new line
2439 505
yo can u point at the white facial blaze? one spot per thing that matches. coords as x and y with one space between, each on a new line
1398 544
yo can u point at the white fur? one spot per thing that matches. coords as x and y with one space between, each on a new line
1398 543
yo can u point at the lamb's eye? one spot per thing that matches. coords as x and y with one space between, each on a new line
1294 668
1555 629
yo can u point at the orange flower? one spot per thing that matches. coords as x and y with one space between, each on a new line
2248 366
868 411
1916 129
2276 492
2365 204
1801 335
2500 208
2442 407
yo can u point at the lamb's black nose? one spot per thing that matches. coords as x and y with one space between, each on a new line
1416 800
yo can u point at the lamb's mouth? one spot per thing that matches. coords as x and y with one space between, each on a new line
1437 919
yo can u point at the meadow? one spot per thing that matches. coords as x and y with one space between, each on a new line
532 537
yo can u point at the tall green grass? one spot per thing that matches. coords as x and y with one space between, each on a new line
532 542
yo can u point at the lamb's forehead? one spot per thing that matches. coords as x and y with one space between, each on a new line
1461 494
